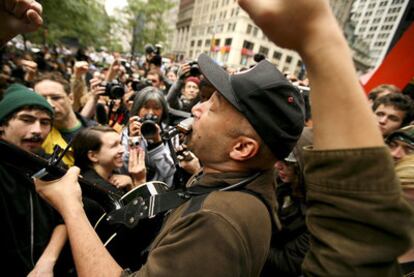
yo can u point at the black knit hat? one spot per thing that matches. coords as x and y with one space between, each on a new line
405 134
272 105
17 96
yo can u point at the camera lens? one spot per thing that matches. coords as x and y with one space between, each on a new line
148 129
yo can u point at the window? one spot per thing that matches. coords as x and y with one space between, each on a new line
207 42
248 45
264 51
255 31
277 55
192 43
228 41
249 29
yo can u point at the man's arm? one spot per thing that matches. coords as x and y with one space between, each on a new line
358 220
90 255
18 17
341 115
44 266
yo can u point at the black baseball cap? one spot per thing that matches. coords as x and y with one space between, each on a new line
272 105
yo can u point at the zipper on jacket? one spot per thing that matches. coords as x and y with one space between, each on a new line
31 228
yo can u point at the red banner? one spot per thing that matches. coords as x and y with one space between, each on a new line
398 66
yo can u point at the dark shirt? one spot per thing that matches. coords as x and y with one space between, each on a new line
27 222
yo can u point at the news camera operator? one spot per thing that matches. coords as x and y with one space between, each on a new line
185 92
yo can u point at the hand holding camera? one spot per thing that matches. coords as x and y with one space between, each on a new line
183 71
96 88
146 126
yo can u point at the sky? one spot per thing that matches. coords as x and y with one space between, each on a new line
110 5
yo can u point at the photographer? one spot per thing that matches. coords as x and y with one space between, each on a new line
184 93
147 119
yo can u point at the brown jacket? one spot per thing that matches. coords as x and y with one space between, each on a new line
228 235
358 219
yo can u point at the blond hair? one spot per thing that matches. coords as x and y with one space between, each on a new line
405 171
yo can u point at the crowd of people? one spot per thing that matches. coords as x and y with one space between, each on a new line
259 185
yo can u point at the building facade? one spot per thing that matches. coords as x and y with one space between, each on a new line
223 30
376 21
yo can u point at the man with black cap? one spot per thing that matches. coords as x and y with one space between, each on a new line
252 119
32 234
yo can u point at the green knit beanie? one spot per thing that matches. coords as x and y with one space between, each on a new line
17 96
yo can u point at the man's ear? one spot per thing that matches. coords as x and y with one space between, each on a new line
244 148
92 156
71 98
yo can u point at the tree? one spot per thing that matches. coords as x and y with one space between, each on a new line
82 19
146 20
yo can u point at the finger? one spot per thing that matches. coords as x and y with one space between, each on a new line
36 7
141 155
72 174
34 17
20 8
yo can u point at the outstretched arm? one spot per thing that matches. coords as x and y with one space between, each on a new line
341 115
46 263
18 17
90 256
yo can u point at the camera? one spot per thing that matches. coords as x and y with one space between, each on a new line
149 125
133 141
139 84
194 69
114 89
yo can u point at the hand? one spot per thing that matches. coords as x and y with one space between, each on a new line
120 181
96 88
64 193
30 68
291 24
134 126
136 165
190 163
43 268
183 71
19 17
80 68
114 70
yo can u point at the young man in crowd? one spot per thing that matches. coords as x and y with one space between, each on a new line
32 233
401 143
393 111
349 192
382 90
56 90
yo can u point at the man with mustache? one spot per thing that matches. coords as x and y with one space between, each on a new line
32 234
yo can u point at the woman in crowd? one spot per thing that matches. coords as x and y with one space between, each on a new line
98 153
185 92
148 117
